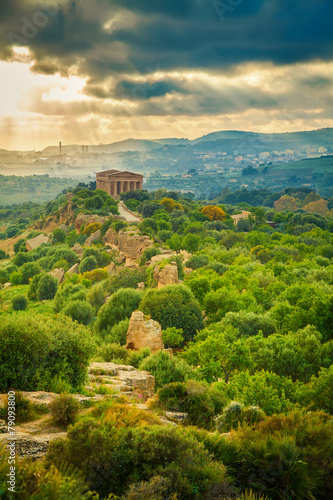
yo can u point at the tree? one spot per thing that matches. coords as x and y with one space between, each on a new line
286 202
172 337
88 264
191 242
80 311
214 213
216 357
318 207
119 307
19 303
170 205
59 235
47 287
174 306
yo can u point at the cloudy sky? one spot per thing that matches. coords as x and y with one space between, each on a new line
98 71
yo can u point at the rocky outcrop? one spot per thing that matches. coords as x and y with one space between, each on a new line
83 219
92 238
124 378
142 333
78 249
37 242
130 243
58 274
166 276
63 227
74 269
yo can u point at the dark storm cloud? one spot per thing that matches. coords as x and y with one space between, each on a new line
173 33
112 42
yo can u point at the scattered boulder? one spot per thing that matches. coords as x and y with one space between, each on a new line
166 276
111 269
6 285
74 269
58 274
142 333
36 242
78 249
92 238
131 264
141 286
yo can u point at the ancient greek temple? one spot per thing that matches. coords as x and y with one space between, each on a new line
115 182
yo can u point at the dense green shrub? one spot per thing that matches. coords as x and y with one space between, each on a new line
64 410
66 292
16 278
33 480
3 255
4 276
138 454
118 332
166 368
236 414
59 235
35 348
19 302
47 287
95 297
126 278
88 264
80 311
249 323
174 306
29 270
119 307
112 352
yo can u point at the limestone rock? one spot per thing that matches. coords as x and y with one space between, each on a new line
83 219
6 285
158 258
74 269
58 274
125 378
141 286
111 269
166 276
131 264
143 333
37 242
78 249
121 258
92 238
128 242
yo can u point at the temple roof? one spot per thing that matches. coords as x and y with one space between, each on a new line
109 173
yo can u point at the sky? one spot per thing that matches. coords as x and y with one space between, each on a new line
99 71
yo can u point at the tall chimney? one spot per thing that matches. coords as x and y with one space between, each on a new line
60 147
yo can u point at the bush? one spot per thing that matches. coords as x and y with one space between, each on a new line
236 414
16 278
29 270
47 287
34 481
4 276
64 410
35 348
19 303
59 235
197 261
92 228
119 307
118 332
126 278
95 297
68 291
174 306
112 352
80 311
172 337
148 253
138 454
166 368
4 255
193 398
88 264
